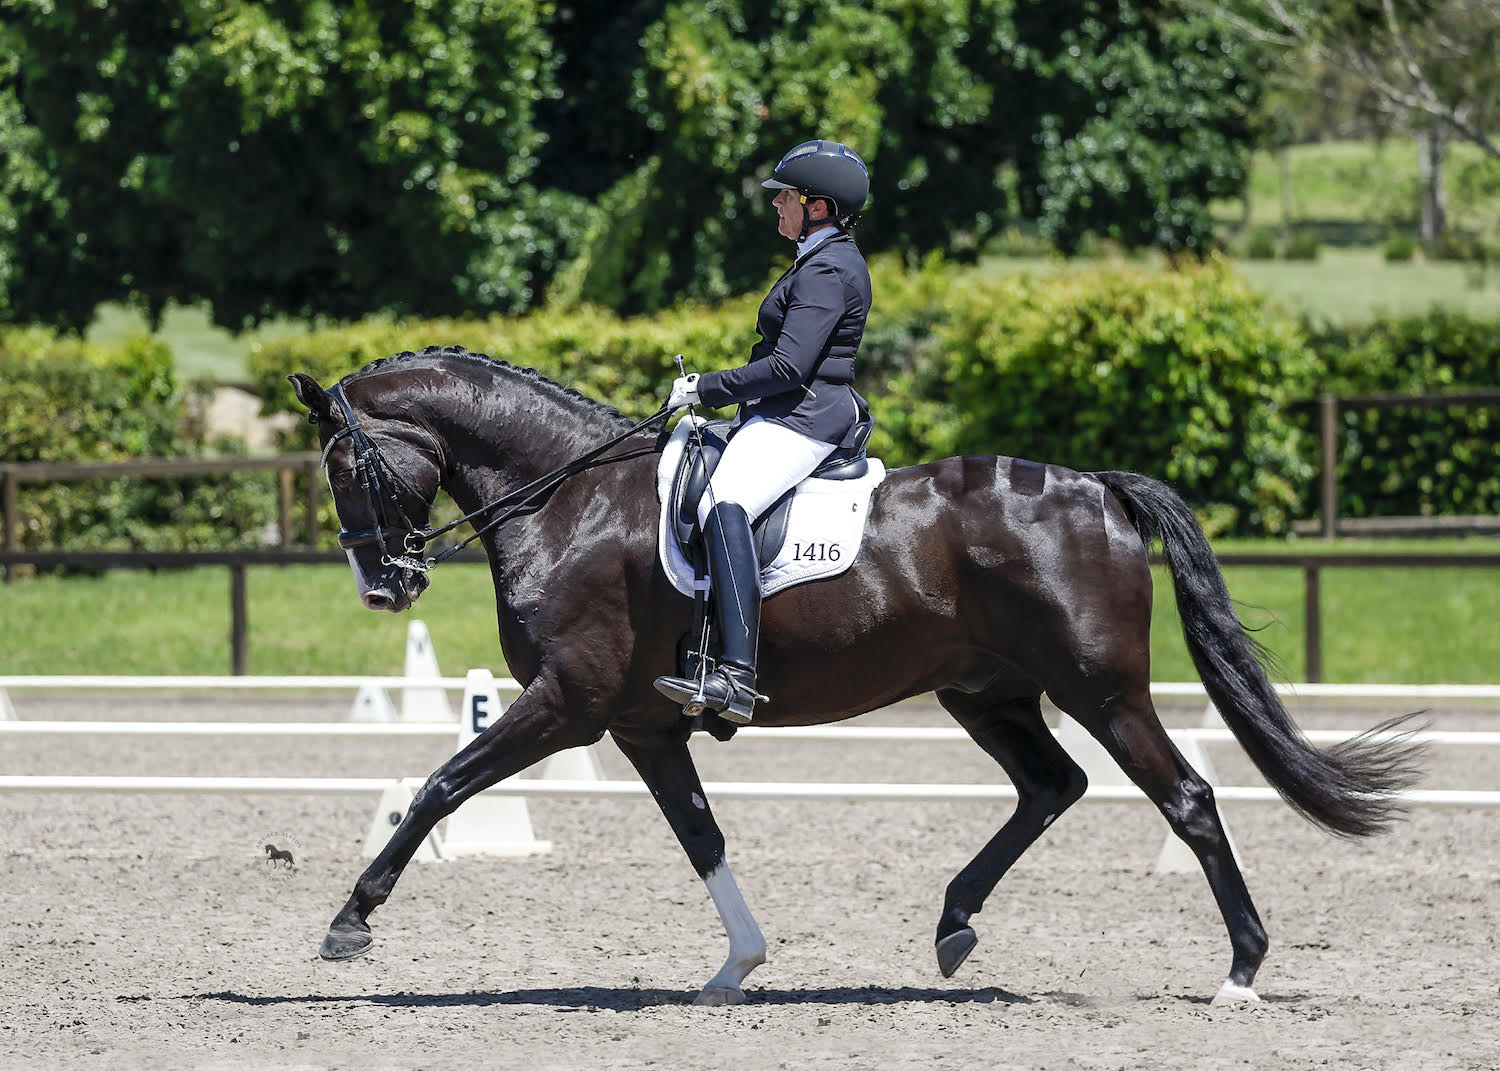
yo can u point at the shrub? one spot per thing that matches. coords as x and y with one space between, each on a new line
1182 375
1303 245
68 400
1415 461
1261 244
1399 248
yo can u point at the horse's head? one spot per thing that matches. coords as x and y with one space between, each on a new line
383 472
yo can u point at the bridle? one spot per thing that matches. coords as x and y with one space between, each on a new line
380 482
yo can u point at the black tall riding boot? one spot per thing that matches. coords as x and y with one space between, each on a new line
734 567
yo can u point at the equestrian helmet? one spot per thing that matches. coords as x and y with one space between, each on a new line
826 169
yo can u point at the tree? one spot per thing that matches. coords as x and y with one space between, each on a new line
327 158
1123 119
343 157
1429 65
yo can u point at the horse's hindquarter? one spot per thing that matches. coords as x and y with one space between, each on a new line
973 569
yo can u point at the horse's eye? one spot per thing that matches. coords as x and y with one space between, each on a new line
341 478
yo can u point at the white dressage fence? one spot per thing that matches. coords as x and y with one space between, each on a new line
497 822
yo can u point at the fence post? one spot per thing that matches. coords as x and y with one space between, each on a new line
1313 620
312 504
1328 430
284 503
237 620
11 515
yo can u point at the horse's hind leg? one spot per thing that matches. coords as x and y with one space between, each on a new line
1129 729
1047 781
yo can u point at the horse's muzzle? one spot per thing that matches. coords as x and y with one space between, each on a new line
394 590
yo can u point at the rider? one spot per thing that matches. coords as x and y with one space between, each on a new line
797 402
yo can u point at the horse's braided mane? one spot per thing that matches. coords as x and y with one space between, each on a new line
494 364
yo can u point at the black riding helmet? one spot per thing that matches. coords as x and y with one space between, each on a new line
826 169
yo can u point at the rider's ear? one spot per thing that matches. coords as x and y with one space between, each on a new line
319 405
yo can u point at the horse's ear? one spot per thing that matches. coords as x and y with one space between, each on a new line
319 405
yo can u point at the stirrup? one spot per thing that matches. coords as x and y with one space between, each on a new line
719 692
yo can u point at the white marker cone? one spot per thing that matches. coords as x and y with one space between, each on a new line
395 801
574 764
488 825
1176 857
372 704
422 704
1097 764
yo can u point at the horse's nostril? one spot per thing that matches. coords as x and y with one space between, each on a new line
378 600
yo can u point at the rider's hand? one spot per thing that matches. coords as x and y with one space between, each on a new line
684 392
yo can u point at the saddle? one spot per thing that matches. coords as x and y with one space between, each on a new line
697 465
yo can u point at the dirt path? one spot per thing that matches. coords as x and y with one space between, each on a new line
150 931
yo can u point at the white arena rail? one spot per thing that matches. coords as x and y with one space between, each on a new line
247 683
816 733
343 786
598 788
1168 690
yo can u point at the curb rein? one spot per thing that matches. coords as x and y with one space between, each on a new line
369 461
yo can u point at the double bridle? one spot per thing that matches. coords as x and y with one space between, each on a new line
380 481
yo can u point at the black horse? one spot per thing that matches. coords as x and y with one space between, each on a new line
987 580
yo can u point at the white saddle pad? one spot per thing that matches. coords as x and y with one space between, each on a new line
825 526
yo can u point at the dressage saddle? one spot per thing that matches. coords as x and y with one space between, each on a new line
696 466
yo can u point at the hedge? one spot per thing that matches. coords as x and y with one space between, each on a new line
1185 374
68 400
1412 461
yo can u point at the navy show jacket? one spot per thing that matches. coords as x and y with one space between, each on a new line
800 372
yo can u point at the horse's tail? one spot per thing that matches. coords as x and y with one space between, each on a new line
1346 789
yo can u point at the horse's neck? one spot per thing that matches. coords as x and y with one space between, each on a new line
514 440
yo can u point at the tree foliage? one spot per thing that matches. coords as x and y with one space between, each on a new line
340 157
1419 61
328 158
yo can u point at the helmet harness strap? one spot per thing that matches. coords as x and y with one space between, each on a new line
807 220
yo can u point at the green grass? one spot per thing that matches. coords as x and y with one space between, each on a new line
1379 625
1355 285
301 620
203 351
1343 286
1344 186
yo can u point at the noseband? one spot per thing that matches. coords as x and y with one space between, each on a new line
412 539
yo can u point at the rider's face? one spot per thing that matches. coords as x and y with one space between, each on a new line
789 212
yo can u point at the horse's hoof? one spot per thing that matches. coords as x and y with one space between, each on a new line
954 949
719 996
1230 994
346 943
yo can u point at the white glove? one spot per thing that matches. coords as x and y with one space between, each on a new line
684 392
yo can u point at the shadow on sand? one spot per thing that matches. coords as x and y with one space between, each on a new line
620 999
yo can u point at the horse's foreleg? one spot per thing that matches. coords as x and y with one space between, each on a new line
1047 781
669 773
528 732
1131 732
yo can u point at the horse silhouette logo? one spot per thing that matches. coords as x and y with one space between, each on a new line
278 852
277 856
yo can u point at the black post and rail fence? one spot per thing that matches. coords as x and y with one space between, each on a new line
291 551
1329 524
237 562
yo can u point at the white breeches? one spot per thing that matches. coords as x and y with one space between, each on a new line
762 462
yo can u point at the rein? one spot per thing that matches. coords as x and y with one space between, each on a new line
369 463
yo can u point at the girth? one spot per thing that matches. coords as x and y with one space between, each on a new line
693 472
